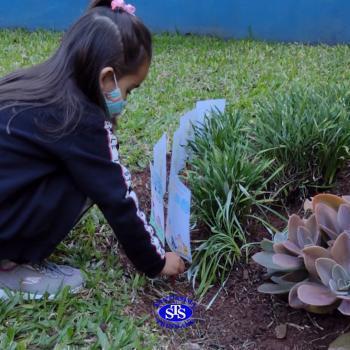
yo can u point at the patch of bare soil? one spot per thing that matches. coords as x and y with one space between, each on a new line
241 317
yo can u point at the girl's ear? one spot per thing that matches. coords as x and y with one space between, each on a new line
97 3
106 80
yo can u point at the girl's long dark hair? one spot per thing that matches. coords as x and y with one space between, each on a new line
100 38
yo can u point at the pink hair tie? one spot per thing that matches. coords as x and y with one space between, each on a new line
120 4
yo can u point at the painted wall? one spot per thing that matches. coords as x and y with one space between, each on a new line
310 21
34 14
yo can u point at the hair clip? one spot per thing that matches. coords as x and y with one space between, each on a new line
120 4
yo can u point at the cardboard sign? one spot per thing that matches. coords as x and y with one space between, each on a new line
159 162
179 153
158 187
186 130
177 232
186 126
208 107
178 222
157 208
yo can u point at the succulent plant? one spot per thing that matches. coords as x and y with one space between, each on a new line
301 233
331 287
283 257
311 260
332 215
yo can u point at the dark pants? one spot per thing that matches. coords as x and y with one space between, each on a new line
88 204
33 231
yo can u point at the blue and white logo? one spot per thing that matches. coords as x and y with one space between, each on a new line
174 312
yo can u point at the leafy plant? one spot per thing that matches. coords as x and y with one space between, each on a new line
306 131
227 180
320 248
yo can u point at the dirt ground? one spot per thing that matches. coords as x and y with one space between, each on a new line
240 317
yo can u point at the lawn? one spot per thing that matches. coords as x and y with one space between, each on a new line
184 70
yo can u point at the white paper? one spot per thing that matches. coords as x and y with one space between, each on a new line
186 130
208 107
178 154
159 162
178 221
157 207
187 122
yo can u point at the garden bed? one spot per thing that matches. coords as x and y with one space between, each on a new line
185 69
241 317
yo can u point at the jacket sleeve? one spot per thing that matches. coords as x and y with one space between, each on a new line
92 160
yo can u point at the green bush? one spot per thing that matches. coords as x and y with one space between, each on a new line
306 131
227 179
295 140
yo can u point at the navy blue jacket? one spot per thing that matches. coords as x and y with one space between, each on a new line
45 182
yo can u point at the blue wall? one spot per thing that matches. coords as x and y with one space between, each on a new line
309 21
33 14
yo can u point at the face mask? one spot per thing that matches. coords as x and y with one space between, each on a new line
114 101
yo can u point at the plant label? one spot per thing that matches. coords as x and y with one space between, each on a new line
157 207
178 222
208 107
178 154
186 126
187 123
159 162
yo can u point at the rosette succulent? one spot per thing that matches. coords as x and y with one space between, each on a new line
332 215
311 261
283 257
329 287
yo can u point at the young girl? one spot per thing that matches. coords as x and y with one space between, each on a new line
59 154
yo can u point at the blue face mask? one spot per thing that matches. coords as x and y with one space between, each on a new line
114 101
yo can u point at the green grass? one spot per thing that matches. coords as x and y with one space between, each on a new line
190 68
95 319
185 69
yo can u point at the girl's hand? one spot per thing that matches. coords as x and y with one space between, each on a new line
174 265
